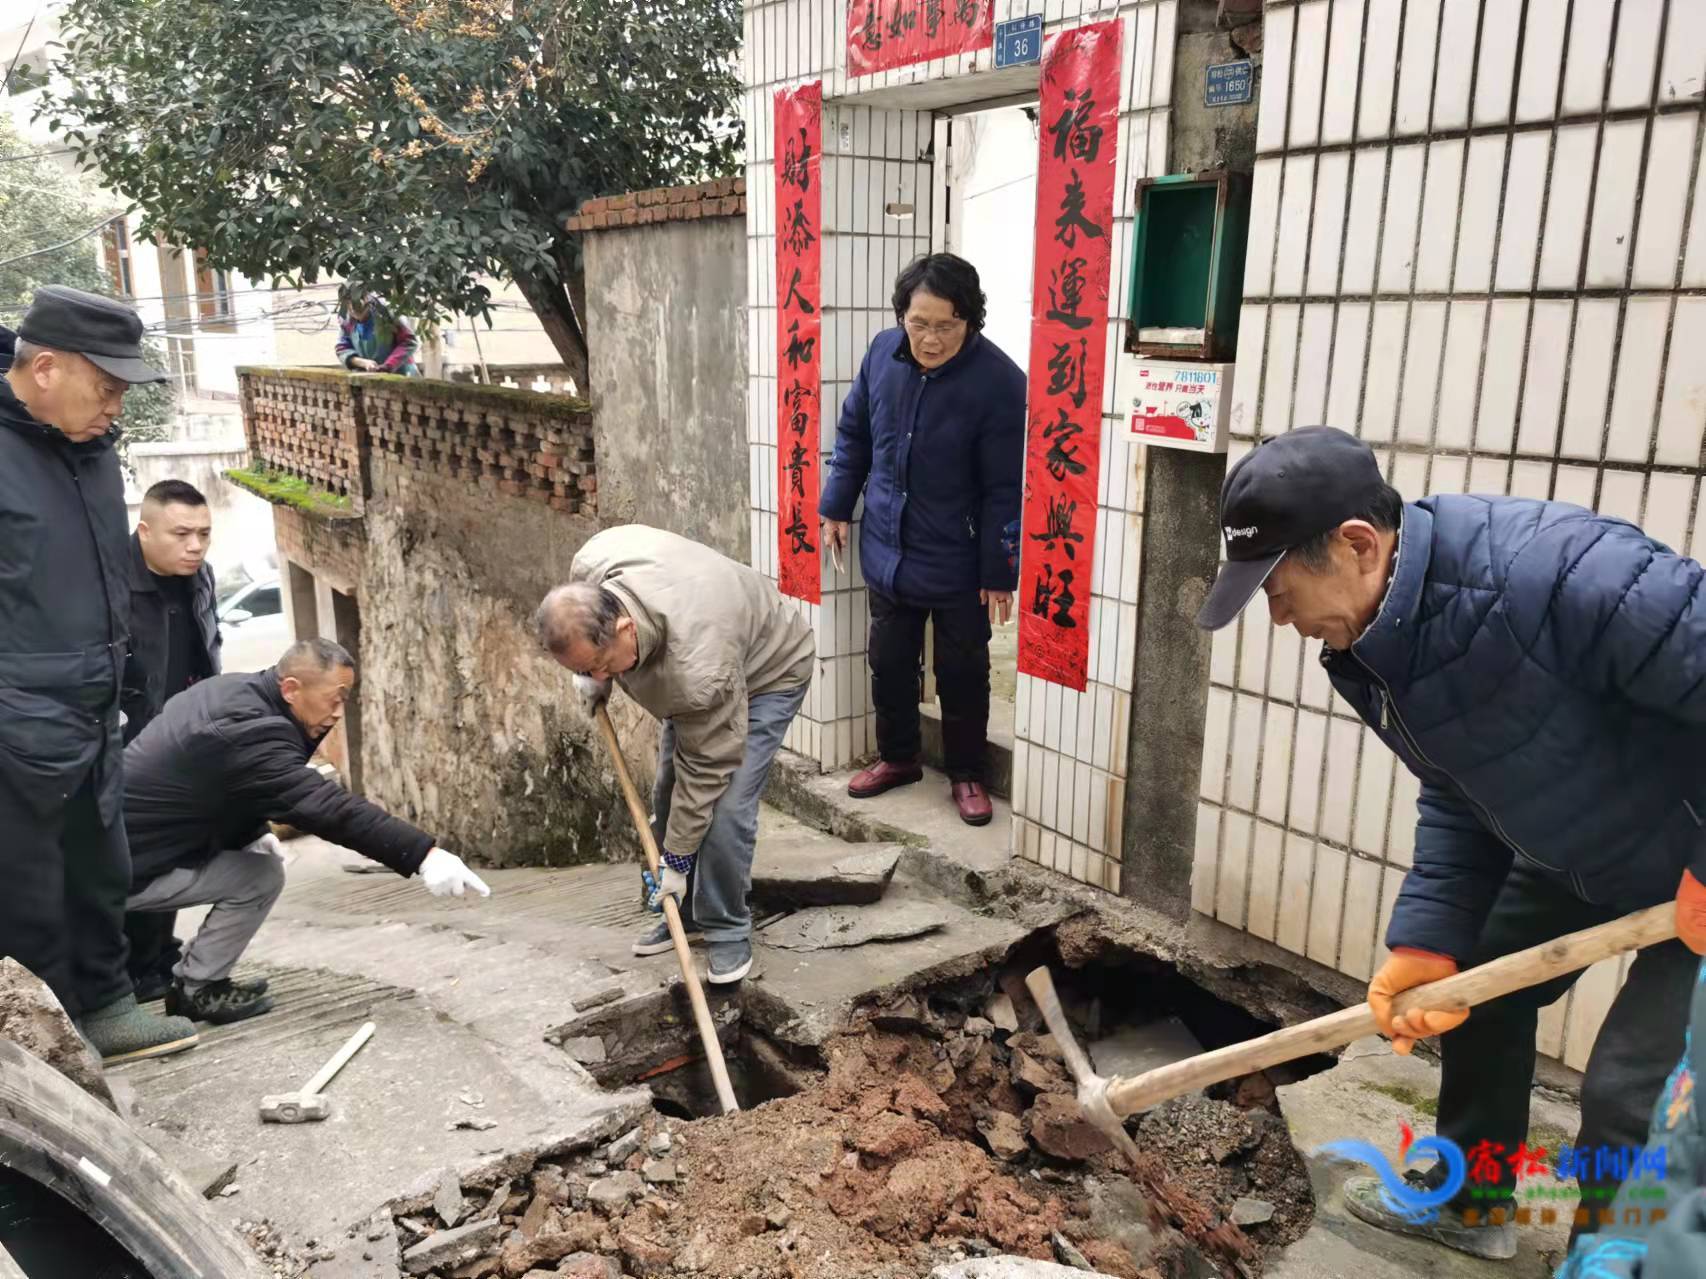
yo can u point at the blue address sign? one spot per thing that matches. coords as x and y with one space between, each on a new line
1229 84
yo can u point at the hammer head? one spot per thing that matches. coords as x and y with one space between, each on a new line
294 1108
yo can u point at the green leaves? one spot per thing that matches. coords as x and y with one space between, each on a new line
415 144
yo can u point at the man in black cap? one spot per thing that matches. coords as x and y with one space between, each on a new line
64 622
1542 670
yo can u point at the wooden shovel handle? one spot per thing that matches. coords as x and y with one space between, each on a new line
1500 976
672 915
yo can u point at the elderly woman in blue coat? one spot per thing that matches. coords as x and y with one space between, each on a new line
933 434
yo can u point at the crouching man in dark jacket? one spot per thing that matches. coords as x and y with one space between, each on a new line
222 760
1542 671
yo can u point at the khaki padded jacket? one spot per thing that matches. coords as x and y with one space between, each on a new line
711 634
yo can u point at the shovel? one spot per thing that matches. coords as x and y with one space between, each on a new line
672 915
1106 1102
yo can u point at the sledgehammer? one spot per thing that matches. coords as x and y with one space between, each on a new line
310 1105
1106 1102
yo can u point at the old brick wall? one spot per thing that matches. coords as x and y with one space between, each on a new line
474 501
519 443
306 423
332 549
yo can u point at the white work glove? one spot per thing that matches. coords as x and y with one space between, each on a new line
671 883
267 843
444 875
592 692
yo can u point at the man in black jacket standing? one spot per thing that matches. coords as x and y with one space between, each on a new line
201 783
64 620
174 641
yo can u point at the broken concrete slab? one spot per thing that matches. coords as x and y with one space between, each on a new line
617 1191
207 1174
32 1018
1009 1267
817 870
624 1147
942 850
447 1200
1132 1050
452 1247
836 927
808 996
1366 1096
1248 1211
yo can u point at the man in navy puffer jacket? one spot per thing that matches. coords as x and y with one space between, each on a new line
933 432
1542 670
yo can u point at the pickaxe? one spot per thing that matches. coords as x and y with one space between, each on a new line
1106 1102
672 916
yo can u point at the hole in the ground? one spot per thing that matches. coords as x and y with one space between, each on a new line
759 1071
48 1238
953 1089
1113 1000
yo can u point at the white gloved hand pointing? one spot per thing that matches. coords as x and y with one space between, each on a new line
268 843
444 875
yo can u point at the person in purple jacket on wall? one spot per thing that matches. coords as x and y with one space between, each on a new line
933 434
371 339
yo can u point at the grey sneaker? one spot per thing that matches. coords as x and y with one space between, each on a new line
123 1032
656 940
728 962
1367 1200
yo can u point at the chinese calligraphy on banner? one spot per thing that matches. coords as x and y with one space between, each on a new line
1069 320
894 33
799 320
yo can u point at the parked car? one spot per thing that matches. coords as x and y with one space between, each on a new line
253 621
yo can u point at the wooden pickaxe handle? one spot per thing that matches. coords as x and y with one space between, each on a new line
672 915
1488 981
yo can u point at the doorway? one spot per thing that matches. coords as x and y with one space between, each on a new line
986 200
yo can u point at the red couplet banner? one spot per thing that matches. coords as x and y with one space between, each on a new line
893 33
1069 321
799 321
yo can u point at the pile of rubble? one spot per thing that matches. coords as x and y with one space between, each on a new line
935 1137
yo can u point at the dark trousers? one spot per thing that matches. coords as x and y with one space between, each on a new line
896 654
154 945
67 875
1487 1064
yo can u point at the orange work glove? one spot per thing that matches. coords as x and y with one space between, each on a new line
1407 967
1691 913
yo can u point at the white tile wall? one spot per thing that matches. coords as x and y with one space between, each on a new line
1496 309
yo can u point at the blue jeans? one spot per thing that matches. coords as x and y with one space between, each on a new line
722 875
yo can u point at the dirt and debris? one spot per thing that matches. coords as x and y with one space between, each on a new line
943 1138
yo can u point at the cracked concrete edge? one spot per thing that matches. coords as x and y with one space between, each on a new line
625 1108
794 788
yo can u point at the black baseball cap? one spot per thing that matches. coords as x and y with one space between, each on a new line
1283 492
106 333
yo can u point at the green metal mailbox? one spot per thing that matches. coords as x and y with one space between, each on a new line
1187 276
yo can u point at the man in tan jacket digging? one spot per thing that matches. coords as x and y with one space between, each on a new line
713 650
